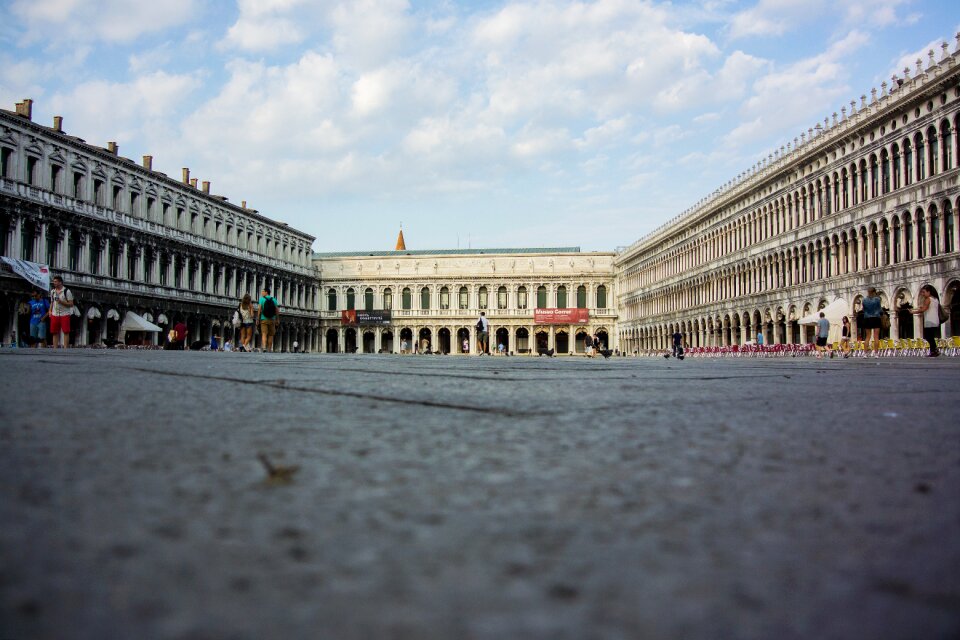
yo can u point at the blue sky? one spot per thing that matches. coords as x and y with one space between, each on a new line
488 123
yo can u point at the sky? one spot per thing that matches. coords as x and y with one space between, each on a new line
473 124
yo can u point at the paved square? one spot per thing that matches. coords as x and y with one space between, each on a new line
486 498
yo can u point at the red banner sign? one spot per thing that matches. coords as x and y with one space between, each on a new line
561 316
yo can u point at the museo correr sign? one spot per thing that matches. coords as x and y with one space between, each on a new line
365 318
561 316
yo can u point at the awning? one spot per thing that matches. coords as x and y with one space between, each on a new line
834 312
133 322
148 317
113 314
162 319
93 313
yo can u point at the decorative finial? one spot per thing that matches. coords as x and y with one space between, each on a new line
873 95
944 53
932 62
883 88
919 66
843 113
906 73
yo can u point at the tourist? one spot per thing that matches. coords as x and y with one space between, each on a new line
39 312
269 317
228 346
823 332
247 319
466 345
483 329
930 308
677 344
760 338
501 348
845 337
871 319
61 308
180 333
588 346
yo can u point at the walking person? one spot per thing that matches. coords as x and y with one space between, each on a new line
180 333
269 318
39 313
872 311
845 337
483 333
247 320
823 332
930 309
61 308
677 344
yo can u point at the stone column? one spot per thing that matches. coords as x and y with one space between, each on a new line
341 340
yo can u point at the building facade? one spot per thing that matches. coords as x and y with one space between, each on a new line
127 238
868 198
434 299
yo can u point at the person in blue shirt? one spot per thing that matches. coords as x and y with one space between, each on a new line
39 310
872 312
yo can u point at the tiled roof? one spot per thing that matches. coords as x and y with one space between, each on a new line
445 252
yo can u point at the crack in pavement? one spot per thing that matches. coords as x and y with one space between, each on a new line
352 394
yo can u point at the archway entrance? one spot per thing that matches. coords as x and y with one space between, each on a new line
369 342
406 340
604 339
503 338
425 341
332 341
350 341
580 343
951 298
463 340
443 339
386 342
542 339
523 340
562 342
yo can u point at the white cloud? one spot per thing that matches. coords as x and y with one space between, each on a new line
776 17
909 60
56 22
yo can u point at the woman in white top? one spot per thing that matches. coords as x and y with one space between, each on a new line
930 308
248 316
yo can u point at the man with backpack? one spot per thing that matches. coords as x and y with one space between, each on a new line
269 317
483 333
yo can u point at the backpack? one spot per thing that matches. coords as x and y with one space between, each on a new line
943 312
269 308
479 325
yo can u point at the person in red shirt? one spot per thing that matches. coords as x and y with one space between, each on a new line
179 335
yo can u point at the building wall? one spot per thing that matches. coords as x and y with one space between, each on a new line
443 275
125 237
869 198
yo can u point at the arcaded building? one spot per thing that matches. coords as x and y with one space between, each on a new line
869 197
534 298
127 238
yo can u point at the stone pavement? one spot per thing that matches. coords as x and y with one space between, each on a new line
477 498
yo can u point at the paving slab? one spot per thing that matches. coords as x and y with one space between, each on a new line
477 498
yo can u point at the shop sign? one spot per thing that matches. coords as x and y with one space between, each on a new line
356 317
561 316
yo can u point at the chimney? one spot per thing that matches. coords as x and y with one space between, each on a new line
193 182
25 108
112 147
148 163
186 175
58 124
206 186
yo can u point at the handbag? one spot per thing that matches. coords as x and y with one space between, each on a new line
942 312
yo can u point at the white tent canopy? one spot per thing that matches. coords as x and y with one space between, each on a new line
834 312
133 322
93 313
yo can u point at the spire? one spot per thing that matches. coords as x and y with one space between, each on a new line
401 245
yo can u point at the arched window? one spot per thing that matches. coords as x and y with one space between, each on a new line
932 150
464 298
897 230
896 167
907 163
482 298
921 166
541 297
844 179
874 176
444 298
921 236
601 297
946 145
387 299
406 298
907 237
351 299
425 298
934 231
561 297
949 227
502 298
863 180
522 298
884 172
368 299
581 297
